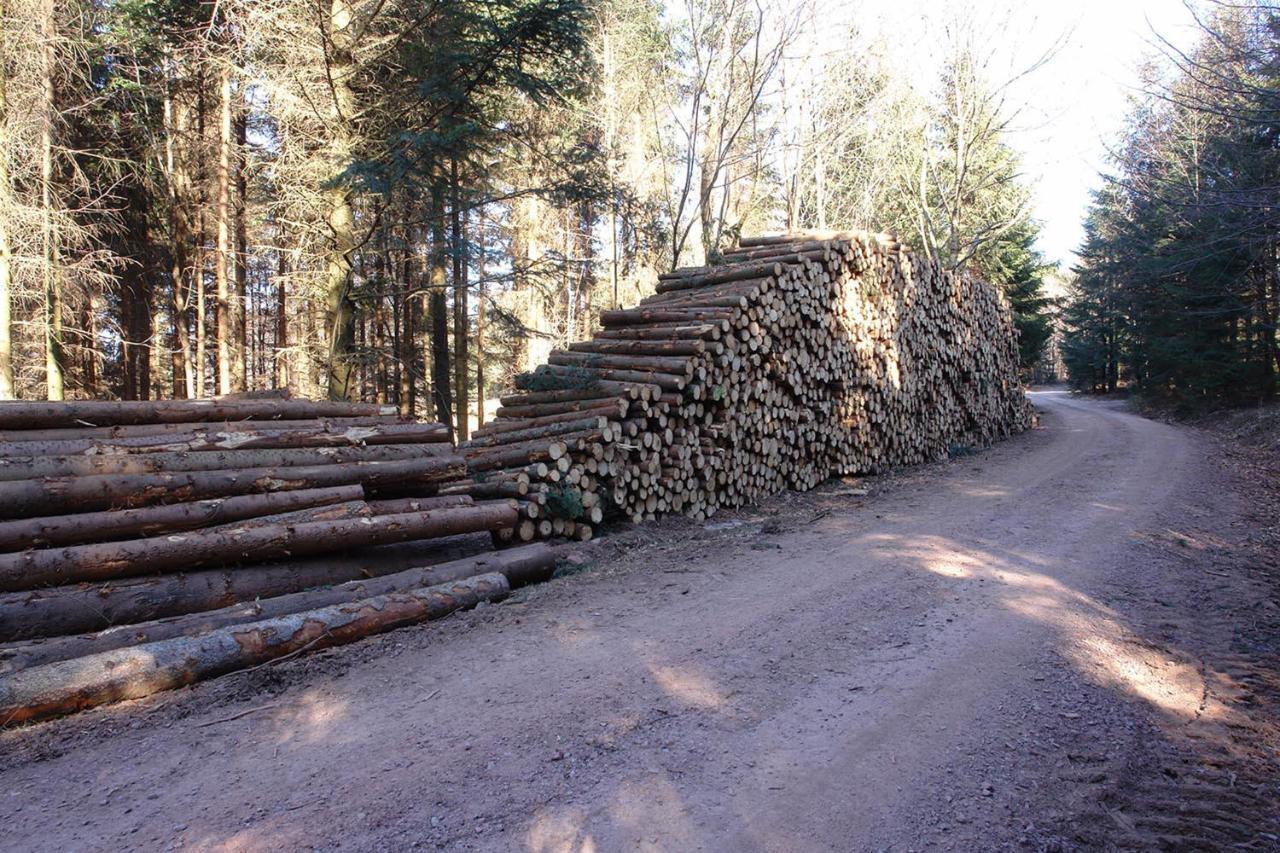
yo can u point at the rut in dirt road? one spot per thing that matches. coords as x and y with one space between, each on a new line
1015 649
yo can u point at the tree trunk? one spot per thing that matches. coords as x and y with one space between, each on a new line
524 565
340 314
241 361
223 331
28 498
406 360
439 308
202 202
235 544
176 120
7 389
79 528
208 459
480 310
460 284
281 355
55 357
79 413
68 686
135 295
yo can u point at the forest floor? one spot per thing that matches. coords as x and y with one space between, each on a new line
1068 641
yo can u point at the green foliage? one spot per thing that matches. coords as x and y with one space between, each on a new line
564 502
538 380
1013 264
1178 272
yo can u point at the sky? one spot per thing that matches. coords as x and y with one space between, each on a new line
1072 108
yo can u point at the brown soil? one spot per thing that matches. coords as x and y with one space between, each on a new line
1069 641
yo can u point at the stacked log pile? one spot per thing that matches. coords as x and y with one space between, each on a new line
800 357
147 544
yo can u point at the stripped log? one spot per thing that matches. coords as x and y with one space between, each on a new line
522 565
39 467
220 438
24 415
92 607
110 525
66 686
26 498
128 431
239 543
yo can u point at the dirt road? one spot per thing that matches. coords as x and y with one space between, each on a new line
1058 643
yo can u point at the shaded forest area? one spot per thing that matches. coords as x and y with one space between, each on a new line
1178 289
410 201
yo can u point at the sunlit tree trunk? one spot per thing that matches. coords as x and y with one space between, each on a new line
480 318
222 258
55 358
340 311
176 121
240 366
460 361
7 389
439 307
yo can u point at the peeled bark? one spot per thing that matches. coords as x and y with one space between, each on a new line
222 439
524 565
36 467
23 415
180 429
76 609
62 530
67 686
247 544
26 498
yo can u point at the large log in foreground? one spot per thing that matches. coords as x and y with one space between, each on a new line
199 549
266 437
57 530
170 526
523 565
80 608
25 498
22 415
132 673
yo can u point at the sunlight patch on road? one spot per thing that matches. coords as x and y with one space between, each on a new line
1091 635
314 717
560 831
688 686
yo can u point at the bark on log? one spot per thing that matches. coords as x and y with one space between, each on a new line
40 467
61 530
523 565
24 415
235 543
223 439
93 607
112 433
67 686
26 498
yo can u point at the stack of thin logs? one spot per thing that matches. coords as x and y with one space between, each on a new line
799 357
144 545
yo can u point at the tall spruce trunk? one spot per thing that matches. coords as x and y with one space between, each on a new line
339 308
176 120
406 362
222 258
460 284
7 389
55 358
480 318
282 318
439 307
240 365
